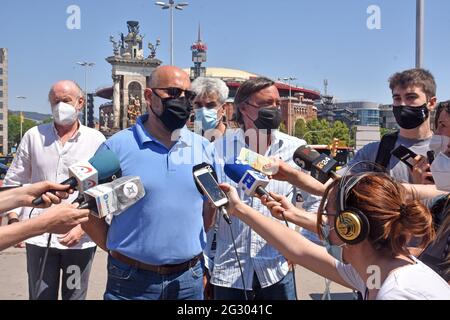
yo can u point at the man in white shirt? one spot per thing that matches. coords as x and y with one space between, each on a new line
45 153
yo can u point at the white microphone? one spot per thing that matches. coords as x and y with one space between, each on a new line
113 197
85 174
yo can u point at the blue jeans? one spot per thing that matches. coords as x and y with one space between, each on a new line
282 290
129 283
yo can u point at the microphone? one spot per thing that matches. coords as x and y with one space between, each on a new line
321 166
250 181
113 197
102 167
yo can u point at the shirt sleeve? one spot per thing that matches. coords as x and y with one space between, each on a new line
20 170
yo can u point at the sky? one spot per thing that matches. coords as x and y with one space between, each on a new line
309 40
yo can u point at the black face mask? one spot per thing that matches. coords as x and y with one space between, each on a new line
409 117
176 113
268 118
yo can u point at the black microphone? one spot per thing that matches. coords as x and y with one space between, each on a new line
102 167
321 166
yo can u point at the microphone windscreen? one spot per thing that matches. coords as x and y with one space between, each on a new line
106 163
304 156
236 171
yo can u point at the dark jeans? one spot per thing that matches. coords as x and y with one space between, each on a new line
75 265
282 290
129 283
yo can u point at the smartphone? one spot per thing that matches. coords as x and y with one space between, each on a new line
205 179
405 155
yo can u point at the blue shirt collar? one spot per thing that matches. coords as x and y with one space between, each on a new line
143 136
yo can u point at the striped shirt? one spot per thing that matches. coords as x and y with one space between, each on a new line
254 253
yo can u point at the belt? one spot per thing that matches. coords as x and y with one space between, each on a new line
160 269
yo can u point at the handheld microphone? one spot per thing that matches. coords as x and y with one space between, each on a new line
113 197
321 166
250 181
102 167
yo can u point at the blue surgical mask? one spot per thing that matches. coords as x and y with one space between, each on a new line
333 250
208 118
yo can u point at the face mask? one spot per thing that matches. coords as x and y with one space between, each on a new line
440 169
207 117
64 114
176 113
268 118
408 117
439 143
332 249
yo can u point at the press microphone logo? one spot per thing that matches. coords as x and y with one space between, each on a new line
82 170
130 190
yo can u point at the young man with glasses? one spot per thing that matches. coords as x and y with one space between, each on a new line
156 246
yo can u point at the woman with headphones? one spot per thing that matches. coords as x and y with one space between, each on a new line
366 221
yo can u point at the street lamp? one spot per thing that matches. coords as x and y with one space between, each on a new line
289 79
85 65
21 115
170 5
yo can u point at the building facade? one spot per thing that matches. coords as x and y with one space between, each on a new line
3 101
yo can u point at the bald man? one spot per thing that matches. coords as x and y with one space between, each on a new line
45 153
156 245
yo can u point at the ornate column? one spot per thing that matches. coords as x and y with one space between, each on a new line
116 101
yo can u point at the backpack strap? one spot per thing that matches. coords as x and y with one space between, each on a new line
385 147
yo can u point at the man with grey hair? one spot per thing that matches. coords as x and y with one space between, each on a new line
209 106
45 153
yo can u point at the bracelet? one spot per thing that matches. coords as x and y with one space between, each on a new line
13 220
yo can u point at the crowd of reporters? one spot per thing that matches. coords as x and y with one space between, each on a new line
390 216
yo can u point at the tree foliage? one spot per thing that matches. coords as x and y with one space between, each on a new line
322 132
14 128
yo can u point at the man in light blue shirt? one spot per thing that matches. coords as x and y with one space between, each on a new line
156 245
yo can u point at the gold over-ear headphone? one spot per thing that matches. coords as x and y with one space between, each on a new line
351 224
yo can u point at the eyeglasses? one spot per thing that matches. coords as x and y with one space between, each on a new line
175 93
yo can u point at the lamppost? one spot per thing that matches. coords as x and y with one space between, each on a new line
170 5
289 79
21 115
85 65
420 17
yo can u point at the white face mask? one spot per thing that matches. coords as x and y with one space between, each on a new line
64 114
440 169
439 143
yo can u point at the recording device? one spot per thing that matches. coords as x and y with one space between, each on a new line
405 155
206 181
203 176
250 181
113 197
101 168
321 166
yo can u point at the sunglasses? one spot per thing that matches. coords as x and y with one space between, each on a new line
175 93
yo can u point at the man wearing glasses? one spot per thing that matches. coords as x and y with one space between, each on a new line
265 271
156 245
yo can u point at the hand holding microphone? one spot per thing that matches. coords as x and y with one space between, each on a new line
102 167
